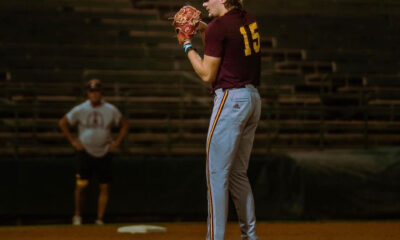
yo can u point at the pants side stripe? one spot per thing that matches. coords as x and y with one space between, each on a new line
211 210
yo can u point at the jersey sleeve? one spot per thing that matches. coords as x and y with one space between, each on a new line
73 115
214 40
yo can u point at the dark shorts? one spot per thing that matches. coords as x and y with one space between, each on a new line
89 166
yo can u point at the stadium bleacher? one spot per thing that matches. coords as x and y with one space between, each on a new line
327 82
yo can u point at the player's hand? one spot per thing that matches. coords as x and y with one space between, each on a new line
113 146
183 39
77 145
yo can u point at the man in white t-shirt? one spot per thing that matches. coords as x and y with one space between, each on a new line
95 118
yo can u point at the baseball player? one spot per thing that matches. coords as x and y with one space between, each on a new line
94 146
231 64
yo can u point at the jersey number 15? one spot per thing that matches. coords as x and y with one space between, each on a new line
255 37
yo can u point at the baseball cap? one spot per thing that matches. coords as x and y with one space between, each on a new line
93 85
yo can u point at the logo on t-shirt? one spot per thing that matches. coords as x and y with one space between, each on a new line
95 120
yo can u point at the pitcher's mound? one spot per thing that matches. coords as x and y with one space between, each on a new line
141 229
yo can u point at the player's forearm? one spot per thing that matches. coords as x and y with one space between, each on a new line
64 126
199 66
123 130
121 135
207 68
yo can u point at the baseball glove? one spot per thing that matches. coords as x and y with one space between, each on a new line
185 22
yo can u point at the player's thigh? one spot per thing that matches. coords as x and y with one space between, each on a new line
84 167
224 137
247 135
104 169
244 148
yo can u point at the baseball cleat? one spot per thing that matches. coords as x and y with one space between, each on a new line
76 221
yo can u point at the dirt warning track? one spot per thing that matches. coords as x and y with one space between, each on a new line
364 230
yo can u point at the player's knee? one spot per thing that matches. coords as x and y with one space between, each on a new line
82 183
238 173
103 187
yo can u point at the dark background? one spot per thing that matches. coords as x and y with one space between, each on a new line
326 146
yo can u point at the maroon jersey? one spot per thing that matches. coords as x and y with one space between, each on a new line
234 38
